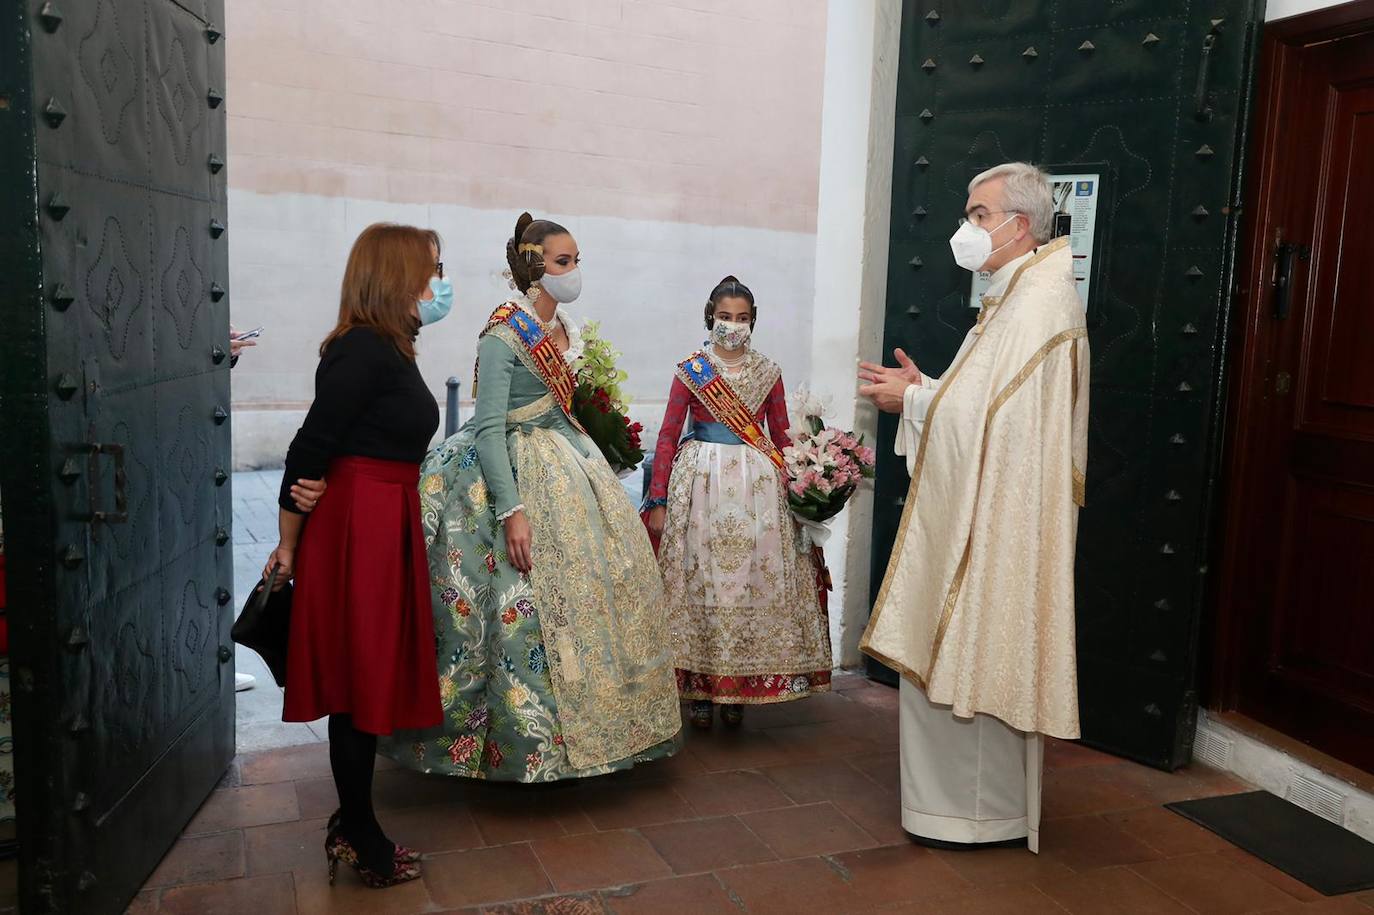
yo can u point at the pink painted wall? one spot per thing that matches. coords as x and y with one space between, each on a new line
702 111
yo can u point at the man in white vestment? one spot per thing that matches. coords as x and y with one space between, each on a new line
976 610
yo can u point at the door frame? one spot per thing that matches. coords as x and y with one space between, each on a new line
1244 467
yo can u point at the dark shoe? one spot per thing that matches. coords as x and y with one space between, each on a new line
732 716
701 715
403 855
337 848
966 846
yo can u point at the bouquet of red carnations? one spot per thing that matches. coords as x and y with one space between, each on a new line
600 406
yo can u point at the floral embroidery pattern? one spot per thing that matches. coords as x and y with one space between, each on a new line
505 716
462 749
751 690
745 614
538 659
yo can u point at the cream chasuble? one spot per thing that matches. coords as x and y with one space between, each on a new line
977 607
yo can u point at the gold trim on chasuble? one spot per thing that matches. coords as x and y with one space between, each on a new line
1080 482
947 611
880 604
709 385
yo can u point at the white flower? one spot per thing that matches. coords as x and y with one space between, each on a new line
801 406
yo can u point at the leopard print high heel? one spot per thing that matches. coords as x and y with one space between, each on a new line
337 848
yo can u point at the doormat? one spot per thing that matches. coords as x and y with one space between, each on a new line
1321 854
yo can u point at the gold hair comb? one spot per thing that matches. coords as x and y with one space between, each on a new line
526 247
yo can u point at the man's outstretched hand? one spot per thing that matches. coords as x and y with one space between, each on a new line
885 386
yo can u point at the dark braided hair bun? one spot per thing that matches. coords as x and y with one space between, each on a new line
525 249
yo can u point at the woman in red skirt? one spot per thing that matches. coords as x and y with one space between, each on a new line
362 632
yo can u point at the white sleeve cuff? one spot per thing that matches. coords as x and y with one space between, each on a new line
504 515
915 402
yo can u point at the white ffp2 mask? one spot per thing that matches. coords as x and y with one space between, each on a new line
972 246
563 287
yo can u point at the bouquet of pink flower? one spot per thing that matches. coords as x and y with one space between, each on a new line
824 464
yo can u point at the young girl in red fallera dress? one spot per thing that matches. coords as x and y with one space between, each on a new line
743 606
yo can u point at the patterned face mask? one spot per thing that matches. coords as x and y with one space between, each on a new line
730 335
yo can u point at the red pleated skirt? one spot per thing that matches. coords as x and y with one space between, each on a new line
362 627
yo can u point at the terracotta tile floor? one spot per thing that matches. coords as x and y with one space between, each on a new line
797 812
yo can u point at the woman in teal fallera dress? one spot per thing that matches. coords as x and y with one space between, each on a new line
552 641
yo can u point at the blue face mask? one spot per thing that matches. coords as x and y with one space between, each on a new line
437 308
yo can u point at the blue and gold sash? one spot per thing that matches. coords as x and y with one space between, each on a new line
699 374
540 354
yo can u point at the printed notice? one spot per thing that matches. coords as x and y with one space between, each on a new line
1075 215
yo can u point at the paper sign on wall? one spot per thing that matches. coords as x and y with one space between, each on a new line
1075 215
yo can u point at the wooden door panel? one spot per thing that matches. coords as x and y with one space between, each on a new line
1347 460
1344 320
1299 604
1324 628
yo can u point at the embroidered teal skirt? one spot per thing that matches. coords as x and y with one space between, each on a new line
566 672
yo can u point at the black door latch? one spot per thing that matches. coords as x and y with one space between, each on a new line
1284 253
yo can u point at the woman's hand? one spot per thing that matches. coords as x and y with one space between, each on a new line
657 515
237 346
518 542
307 494
284 561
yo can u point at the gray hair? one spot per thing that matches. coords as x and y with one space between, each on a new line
1026 191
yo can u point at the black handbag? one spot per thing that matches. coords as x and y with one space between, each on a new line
265 625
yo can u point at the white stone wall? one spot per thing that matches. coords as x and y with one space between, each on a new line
645 283
851 268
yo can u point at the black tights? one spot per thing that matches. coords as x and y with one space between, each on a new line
352 757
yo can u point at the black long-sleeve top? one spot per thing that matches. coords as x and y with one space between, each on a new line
370 401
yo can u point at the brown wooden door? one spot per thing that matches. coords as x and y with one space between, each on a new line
1301 533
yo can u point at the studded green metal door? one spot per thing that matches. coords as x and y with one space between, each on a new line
1150 95
114 434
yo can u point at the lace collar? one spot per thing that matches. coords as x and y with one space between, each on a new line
752 380
575 345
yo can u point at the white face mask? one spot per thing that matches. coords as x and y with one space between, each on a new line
972 246
563 287
730 334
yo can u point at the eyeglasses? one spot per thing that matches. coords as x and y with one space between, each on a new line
439 269
977 220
